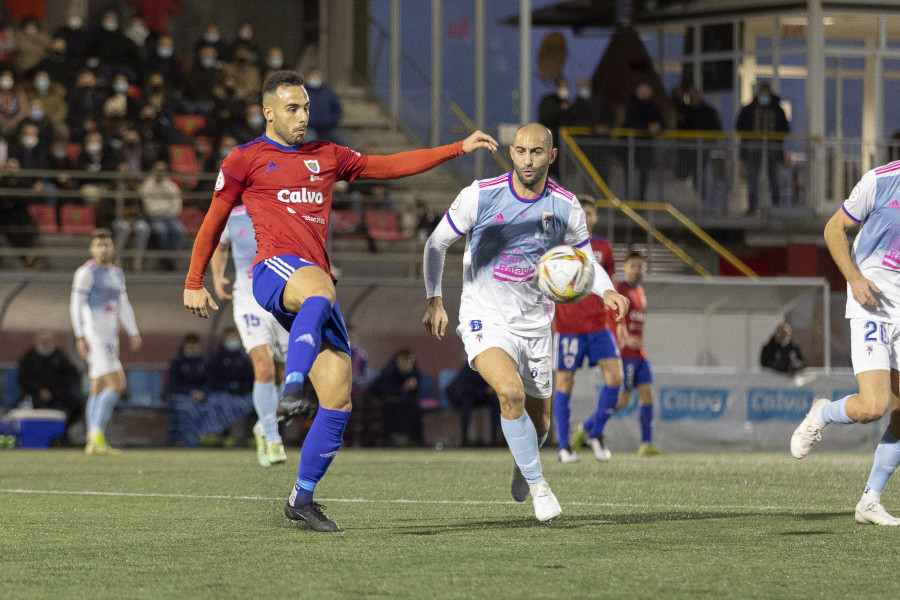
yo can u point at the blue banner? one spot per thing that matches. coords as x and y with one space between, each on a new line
782 404
699 404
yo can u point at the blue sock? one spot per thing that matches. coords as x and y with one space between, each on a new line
91 417
645 416
305 341
265 401
836 412
561 412
588 424
605 408
522 439
319 448
887 459
107 401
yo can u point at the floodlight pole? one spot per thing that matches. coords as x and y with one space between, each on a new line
524 61
479 82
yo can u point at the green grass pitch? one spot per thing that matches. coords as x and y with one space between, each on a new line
426 524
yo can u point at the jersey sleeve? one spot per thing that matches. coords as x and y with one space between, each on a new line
81 285
232 177
463 213
576 232
861 201
126 312
350 163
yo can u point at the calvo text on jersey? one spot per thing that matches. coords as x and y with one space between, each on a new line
303 196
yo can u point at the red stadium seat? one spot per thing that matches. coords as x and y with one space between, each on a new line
189 125
192 218
78 220
345 222
382 225
45 217
73 151
182 159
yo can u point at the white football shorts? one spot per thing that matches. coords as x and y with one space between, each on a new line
874 345
257 326
532 355
103 355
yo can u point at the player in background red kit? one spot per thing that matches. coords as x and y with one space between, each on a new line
584 330
630 334
286 186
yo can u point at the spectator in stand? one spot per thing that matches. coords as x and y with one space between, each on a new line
187 389
49 379
643 114
468 391
116 53
161 199
324 118
214 162
398 389
245 73
251 127
75 34
132 154
696 115
551 113
29 149
426 220
158 95
212 38
274 61
97 156
163 61
230 108
243 38
137 32
7 41
13 103
157 133
229 368
595 113
58 65
85 105
38 118
33 44
205 76
52 97
17 225
61 161
131 225
763 115
119 106
780 353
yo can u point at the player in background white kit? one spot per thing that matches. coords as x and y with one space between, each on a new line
505 322
264 339
98 303
872 270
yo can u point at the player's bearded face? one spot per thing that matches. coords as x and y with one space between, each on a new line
289 114
531 159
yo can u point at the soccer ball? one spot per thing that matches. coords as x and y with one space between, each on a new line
565 274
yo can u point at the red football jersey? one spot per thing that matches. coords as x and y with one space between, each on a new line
588 315
287 191
634 318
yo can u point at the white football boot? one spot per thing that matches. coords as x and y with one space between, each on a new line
567 455
601 452
869 512
261 445
810 430
546 506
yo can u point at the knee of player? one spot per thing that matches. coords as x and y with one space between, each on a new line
565 381
264 373
615 380
511 396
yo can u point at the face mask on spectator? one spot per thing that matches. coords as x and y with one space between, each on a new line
211 38
314 82
208 63
562 93
93 147
6 83
224 151
92 62
164 51
232 344
110 24
245 33
584 93
256 121
764 99
275 63
120 86
29 141
37 114
75 22
59 153
42 84
191 353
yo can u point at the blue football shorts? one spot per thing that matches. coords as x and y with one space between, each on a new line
637 372
572 348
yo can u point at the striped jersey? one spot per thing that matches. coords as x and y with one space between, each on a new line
875 202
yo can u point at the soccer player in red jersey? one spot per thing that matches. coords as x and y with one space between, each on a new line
286 186
583 330
630 334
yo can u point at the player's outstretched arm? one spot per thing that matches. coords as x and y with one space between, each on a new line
408 163
435 319
863 289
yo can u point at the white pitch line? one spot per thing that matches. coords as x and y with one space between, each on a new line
408 501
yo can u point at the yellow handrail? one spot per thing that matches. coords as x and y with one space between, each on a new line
565 134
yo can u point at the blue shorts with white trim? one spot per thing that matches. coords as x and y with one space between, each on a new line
269 279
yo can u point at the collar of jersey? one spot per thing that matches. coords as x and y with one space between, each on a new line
526 200
280 146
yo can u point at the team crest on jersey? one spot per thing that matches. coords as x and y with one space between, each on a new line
220 180
312 165
546 219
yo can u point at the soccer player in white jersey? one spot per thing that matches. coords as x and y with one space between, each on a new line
872 270
264 339
98 304
504 321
